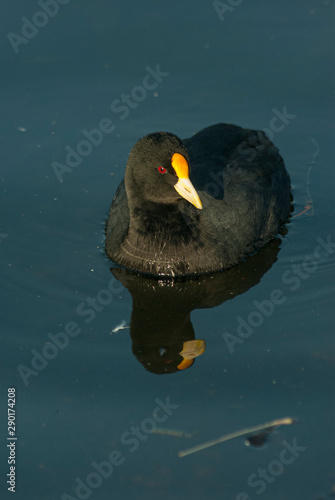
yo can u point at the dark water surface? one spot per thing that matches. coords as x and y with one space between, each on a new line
265 65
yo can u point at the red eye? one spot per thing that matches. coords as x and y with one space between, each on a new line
162 170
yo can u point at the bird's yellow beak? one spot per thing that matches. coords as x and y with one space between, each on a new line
184 186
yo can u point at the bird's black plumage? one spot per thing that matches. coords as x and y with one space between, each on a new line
242 183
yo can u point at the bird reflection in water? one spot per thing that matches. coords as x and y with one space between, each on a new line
163 337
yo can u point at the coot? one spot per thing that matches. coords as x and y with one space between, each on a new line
198 205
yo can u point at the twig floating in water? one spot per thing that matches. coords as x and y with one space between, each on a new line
233 435
309 201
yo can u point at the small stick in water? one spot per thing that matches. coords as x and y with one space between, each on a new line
233 435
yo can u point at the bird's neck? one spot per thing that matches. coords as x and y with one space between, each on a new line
163 222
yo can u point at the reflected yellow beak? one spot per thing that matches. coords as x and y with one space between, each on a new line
184 186
186 363
191 349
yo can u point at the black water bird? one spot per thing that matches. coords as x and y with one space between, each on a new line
198 205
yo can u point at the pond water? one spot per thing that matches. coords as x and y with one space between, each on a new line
102 409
